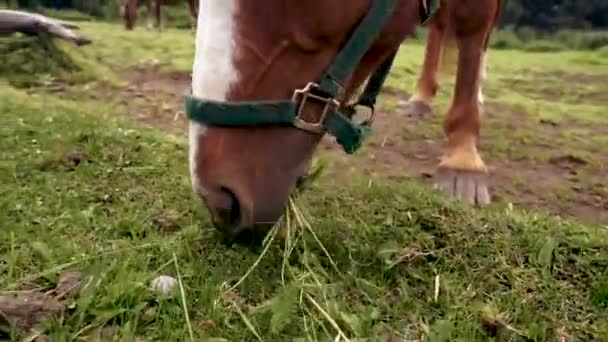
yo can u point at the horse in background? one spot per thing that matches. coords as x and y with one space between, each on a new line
129 12
440 57
457 37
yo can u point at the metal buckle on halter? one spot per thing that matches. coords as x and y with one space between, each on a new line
301 96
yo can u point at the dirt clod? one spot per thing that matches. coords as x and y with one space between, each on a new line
495 326
76 158
567 161
209 324
107 332
548 122
149 315
69 282
166 222
27 309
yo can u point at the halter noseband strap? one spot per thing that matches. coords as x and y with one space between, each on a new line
333 119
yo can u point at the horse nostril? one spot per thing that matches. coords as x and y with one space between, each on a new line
235 208
226 210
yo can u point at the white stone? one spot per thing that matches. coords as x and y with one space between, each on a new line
163 284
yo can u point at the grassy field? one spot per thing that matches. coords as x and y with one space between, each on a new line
94 178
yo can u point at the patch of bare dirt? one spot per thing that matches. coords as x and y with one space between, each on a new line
152 96
155 98
161 97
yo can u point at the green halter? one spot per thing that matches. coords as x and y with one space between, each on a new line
334 119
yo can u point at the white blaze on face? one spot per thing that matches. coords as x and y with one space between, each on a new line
213 71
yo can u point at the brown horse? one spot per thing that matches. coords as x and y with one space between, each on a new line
442 29
129 12
249 143
437 53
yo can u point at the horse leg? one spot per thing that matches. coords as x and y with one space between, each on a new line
158 14
149 14
462 173
130 13
426 88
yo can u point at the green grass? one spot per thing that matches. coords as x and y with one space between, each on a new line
403 261
68 15
171 49
389 243
528 39
34 62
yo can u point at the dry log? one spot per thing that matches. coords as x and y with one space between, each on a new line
33 24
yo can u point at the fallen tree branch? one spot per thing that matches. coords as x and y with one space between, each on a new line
33 24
